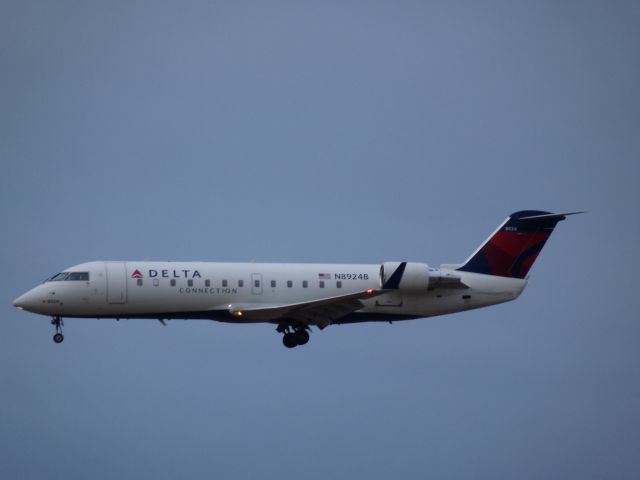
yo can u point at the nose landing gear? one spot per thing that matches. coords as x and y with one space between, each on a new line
57 321
293 336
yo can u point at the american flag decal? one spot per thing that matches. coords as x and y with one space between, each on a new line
324 276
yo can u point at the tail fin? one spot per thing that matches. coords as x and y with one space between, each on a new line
515 245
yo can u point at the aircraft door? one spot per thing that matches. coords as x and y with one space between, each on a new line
116 282
256 283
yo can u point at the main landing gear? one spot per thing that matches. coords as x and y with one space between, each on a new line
57 321
293 336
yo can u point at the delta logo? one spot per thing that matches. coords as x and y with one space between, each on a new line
136 274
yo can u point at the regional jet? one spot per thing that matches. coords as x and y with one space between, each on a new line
296 297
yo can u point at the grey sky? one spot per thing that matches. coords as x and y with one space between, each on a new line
322 132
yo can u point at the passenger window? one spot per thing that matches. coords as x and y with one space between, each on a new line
339 284
173 282
256 283
305 284
241 283
139 282
273 284
190 283
207 283
289 284
321 283
224 283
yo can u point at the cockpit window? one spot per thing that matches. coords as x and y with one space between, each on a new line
63 276
78 276
58 277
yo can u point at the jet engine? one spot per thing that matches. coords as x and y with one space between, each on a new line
407 276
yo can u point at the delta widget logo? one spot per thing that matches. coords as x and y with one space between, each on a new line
136 274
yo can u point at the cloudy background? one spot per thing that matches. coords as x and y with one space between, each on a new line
322 132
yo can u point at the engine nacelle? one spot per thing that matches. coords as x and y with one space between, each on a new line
414 278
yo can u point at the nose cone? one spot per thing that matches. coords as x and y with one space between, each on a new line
27 301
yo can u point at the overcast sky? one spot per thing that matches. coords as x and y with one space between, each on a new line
322 132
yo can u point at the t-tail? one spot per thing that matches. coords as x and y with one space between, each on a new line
515 245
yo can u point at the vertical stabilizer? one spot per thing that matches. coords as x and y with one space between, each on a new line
511 250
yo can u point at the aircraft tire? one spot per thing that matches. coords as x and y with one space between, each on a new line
302 337
58 338
289 340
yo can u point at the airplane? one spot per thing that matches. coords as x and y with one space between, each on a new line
296 297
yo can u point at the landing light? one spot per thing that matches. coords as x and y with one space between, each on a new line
237 314
19 308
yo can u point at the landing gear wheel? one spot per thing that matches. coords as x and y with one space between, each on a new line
57 322
289 340
302 337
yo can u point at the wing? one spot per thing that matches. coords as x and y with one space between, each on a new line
322 312
319 312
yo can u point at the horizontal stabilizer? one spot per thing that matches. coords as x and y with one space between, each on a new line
550 216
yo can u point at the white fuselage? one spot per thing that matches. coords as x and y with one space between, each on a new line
207 290
296 297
